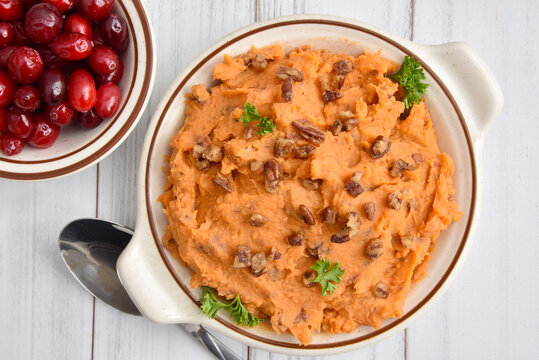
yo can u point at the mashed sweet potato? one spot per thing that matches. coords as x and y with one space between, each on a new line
347 175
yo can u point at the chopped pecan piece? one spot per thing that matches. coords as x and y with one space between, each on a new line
200 147
213 153
295 239
346 115
350 124
311 184
274 254
338 81
319 251
355 186
343 67
258 264
247 58
222 181
306 215
380 146
259 62
347 232
336 128
309 131
273 172
248 131
370 209
381 291
283 146
394 201
407 241
374 249
258 220
418 158
308 278
256 165
287 90
412 204
243 257
328 215
301 317
285 72
330 95
202 164
341 236
304 151
399 166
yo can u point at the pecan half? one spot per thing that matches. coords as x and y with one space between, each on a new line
272 172
407 241
374 249
370 209
309 131
286 72
295 239
328 215
287 90
380 146
258 264
343 67
381 291
222 181
308 278
258 220
336 128
243 257
283 146
259 62
304 151
274 254
330 95
306 215
399 166
394 201
355 186
311 184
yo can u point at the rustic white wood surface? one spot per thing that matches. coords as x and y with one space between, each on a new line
491 310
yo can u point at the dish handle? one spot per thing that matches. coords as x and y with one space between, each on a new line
470 81
150 285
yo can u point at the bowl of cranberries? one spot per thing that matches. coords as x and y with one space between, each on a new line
75 77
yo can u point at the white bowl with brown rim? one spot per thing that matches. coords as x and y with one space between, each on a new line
463 99
77 148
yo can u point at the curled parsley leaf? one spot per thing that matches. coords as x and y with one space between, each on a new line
250 113
329 275
409 76
210 305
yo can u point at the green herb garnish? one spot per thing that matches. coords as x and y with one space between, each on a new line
250 113
329 275
210 305
409 76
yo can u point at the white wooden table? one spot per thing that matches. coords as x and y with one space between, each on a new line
490 312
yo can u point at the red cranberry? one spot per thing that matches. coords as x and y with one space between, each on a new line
11 144
97 36
72 46
61 5
42 23
109 97
77 24
61 115
27 98
20 123
116 32
20 35
89 119
7 88
11 10
103 60
113 77
44 134
53 86
25 65
5 53
3 119
82 93
94 10
6 33
49 58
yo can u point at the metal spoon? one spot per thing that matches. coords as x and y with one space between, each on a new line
90 249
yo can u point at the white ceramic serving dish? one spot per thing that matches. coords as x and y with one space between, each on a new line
78 148
463 99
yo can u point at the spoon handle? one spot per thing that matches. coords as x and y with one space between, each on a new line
210 342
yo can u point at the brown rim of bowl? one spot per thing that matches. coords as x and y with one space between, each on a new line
137 109
397 321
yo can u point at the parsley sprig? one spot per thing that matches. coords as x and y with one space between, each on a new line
210 305
409 76
250 113
329 275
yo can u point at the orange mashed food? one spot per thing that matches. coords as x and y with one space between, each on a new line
347 175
